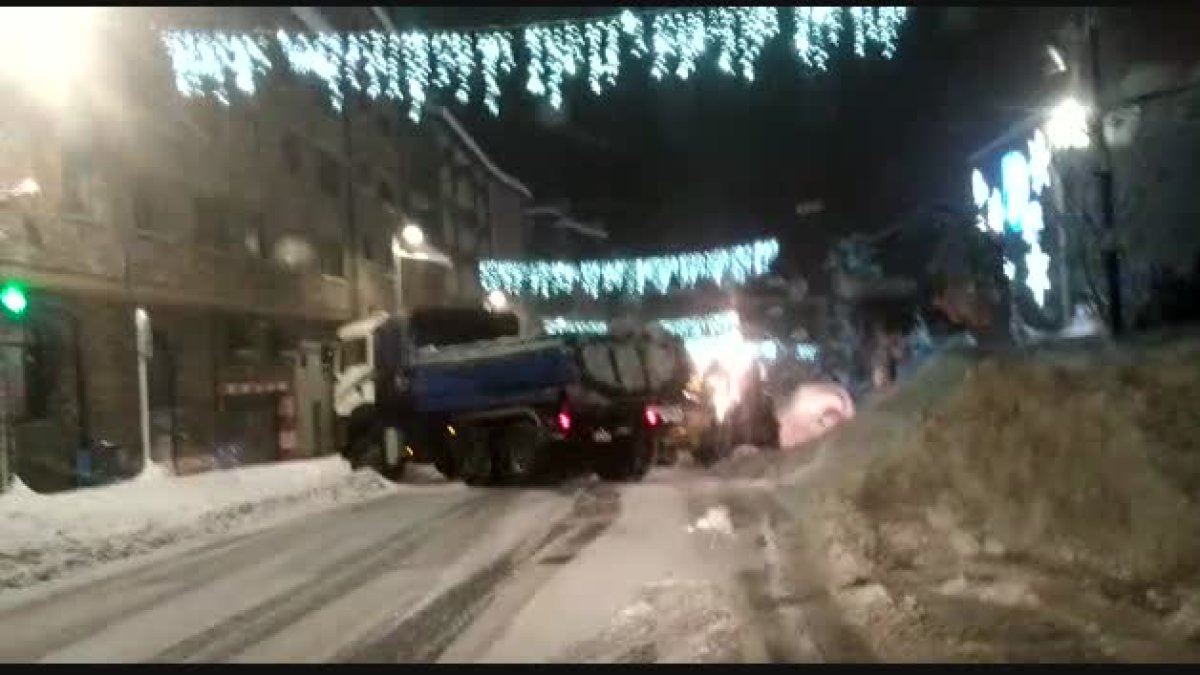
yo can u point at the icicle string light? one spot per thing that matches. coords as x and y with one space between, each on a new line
629 276
687 328
496 57
407 66
563 326
699 333
720 323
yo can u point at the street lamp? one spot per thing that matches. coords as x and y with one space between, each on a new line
1067 126
496 301
413 235
1074 126
1057 63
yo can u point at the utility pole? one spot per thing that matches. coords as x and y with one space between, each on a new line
1111 250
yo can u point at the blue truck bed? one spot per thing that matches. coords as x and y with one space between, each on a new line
467 379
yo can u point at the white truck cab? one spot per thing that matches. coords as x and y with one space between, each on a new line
354 365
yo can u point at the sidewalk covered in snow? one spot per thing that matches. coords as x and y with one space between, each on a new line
45 536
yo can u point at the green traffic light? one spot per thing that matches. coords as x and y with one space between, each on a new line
12 297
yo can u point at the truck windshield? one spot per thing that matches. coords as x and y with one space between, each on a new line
354 353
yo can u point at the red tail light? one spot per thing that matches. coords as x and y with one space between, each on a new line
564 421
652 417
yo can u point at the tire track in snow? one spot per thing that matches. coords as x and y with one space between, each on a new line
80 612
501 596
337 578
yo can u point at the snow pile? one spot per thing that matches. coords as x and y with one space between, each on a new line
1050 487
1079 456
45 536
672 621
716 520
811 411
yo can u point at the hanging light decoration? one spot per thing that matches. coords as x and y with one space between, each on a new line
629 276
687 328
407 66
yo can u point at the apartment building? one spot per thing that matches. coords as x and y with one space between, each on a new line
246 233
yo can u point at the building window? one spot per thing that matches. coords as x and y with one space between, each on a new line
331 260
446 182
239 339
290 148
362 174
329 174
368 247
276 339
37 377
465 192
424 162
255 232
206 116
419 200
253 132
76 169
481 206
212 222
143 211
385 194
319 94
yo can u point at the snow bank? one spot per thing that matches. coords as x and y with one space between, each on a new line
45 536
1075 456
1082 456
1060 483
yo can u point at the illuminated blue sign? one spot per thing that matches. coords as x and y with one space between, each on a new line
1014 207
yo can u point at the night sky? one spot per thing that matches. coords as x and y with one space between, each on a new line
711 161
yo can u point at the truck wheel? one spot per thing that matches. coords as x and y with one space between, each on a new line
519 452
715 444
369 449
475 463
766 427
645 451
627 460
444 463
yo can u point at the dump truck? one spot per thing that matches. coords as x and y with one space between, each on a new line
461 389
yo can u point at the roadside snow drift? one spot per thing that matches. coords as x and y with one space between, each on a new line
1076 456
1019 505
45 536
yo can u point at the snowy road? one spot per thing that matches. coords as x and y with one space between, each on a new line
669 570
